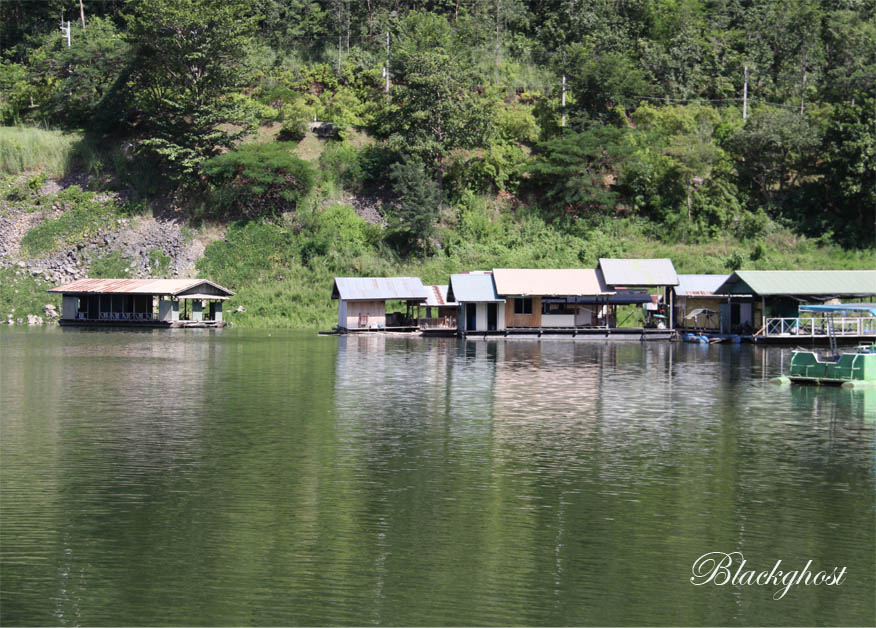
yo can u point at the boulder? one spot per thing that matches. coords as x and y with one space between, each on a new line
50 311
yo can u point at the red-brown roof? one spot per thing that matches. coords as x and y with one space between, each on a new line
134 286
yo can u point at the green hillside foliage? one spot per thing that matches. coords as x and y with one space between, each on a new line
520 131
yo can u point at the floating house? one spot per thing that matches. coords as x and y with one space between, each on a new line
774 297
362 303
481 309
142 302
698 306
566 298
633 280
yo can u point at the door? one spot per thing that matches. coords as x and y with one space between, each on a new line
492 316
471 316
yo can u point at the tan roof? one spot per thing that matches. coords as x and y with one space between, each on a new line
135 286
570 282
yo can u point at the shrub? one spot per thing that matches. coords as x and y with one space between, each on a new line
292 131
259 179
159 263
110 266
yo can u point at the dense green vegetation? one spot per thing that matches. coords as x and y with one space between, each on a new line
508 133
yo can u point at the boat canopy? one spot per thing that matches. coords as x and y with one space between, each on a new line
841 307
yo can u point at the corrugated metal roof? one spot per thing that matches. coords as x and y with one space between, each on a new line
841 307
577 282
135 286
473 288
438 296
379 289
801 282
699 285
638 272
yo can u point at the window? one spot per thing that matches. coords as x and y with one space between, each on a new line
523 305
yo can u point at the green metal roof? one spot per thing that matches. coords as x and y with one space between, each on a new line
801 282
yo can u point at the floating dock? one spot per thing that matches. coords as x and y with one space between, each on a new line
845 369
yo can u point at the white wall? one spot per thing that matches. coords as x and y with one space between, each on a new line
481 322
557 320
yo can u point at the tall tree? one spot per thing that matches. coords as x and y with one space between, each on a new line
435 107
188 64
849 169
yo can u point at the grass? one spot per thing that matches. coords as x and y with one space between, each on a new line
83 219
110 266
24 149
21 294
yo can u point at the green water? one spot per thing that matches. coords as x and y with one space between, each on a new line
196 477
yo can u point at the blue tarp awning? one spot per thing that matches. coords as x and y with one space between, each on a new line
841 307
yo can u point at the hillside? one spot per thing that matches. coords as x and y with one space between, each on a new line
57 229
274 144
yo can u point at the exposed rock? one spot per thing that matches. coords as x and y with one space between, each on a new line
33 319
50 311
240 308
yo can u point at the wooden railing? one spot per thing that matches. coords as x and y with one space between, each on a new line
443 322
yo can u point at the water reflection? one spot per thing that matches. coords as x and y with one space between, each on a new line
595 453
280 479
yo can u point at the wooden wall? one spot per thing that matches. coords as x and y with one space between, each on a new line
523 320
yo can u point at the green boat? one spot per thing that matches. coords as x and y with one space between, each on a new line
846 369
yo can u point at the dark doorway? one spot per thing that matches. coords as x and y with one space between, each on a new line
471 316
492 316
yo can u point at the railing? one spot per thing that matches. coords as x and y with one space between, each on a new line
812 326
443 322
117 316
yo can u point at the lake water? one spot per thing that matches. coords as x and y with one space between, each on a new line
261 478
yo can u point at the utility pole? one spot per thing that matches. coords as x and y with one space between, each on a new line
803 92
386 70
65 30
82 15
745 96
340 37
497 32
563 121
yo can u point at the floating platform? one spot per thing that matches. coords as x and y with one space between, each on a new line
845 369
629 334
142 324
